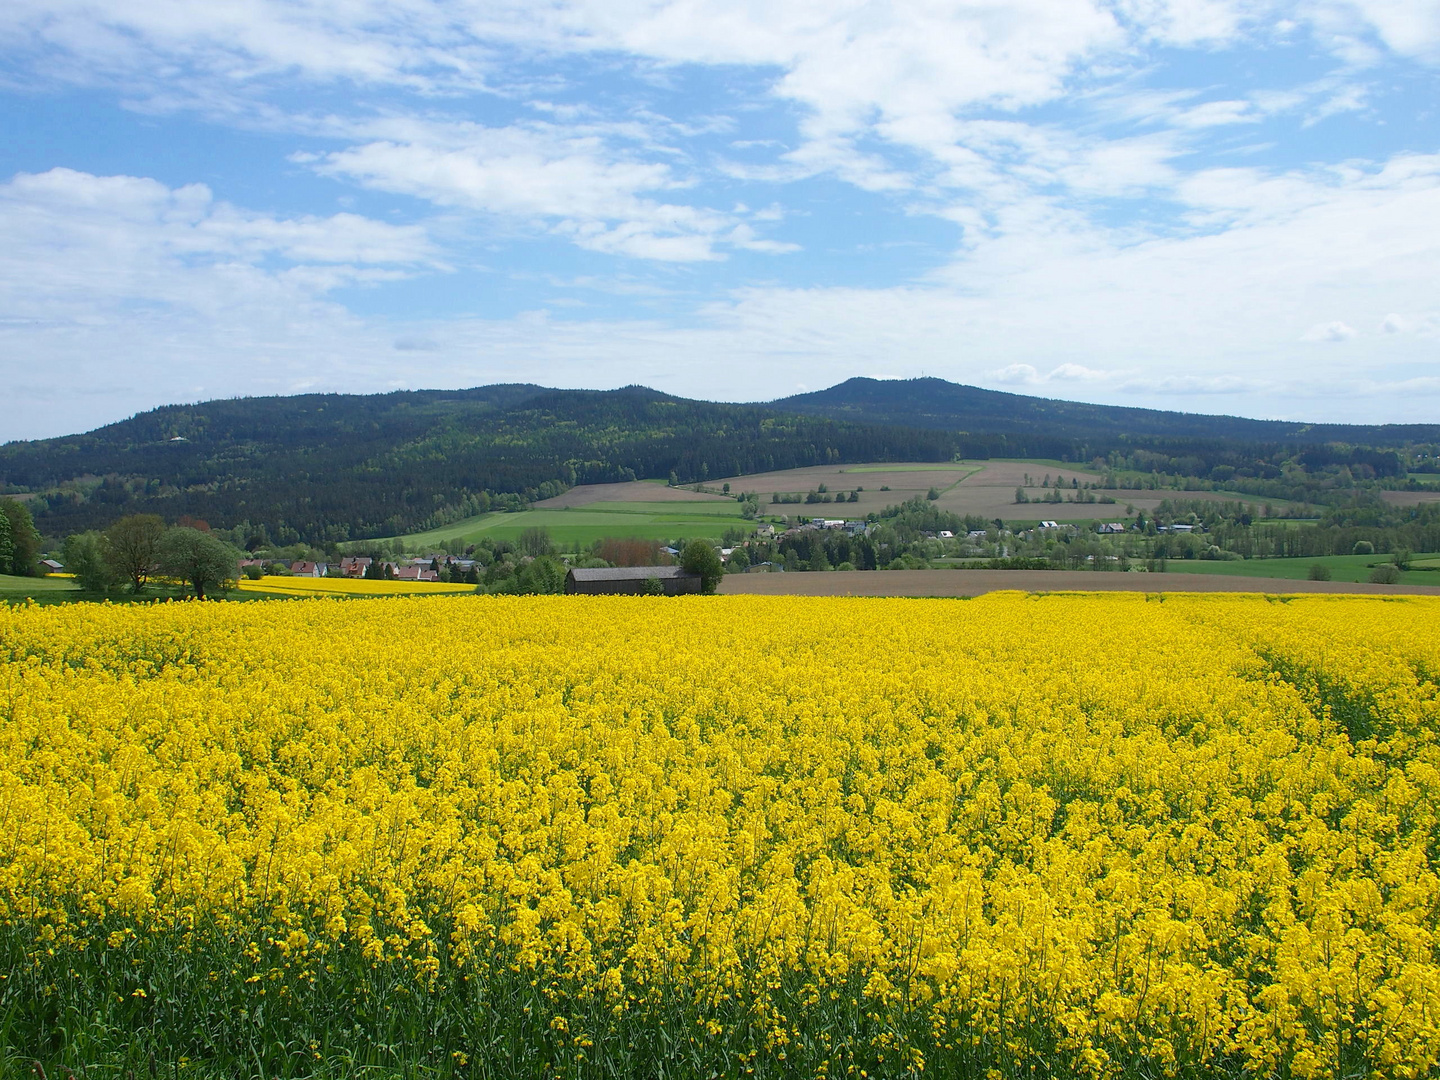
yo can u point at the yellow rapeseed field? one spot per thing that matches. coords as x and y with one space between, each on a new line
1097 835
328 586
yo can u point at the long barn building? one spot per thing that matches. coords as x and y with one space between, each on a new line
632 581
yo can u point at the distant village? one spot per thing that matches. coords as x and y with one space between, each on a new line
440 567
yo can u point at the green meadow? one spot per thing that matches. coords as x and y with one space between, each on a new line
18 588
1424 569
576 528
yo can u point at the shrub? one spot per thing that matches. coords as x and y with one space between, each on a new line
1319 572
1385 574
1364 547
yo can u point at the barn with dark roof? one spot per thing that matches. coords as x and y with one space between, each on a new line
631 581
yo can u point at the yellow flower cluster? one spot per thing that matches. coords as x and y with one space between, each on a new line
328 586
1107 828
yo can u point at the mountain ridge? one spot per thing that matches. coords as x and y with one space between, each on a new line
939 404
336 467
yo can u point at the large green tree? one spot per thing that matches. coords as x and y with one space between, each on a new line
197 558
132 546
85 558
24 546
700 558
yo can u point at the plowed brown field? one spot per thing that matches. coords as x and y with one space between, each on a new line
978 582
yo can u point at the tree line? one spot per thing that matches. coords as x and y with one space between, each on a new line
133 551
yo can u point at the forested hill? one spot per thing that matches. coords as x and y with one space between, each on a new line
334 467
937 404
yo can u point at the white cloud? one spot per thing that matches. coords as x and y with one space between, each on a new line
1078 373
1331 331
1018 375
1028 375
72 241
406 42
138 289
1407 27
1217 113
1197 385
579 185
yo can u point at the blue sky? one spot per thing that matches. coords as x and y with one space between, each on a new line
1207 205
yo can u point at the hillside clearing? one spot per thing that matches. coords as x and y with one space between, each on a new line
575 528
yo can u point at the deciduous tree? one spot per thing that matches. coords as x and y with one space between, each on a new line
24 540
132 546
197 558
700 558
85 558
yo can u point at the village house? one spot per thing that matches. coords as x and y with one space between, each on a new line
308 569
630 580
354 566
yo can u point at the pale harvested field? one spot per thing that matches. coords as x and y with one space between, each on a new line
979 582
975 487
636 491
1410 498
984 488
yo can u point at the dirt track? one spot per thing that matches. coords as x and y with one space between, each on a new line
978 582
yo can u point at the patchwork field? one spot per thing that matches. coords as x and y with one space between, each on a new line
1107 837
649 509
983 488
